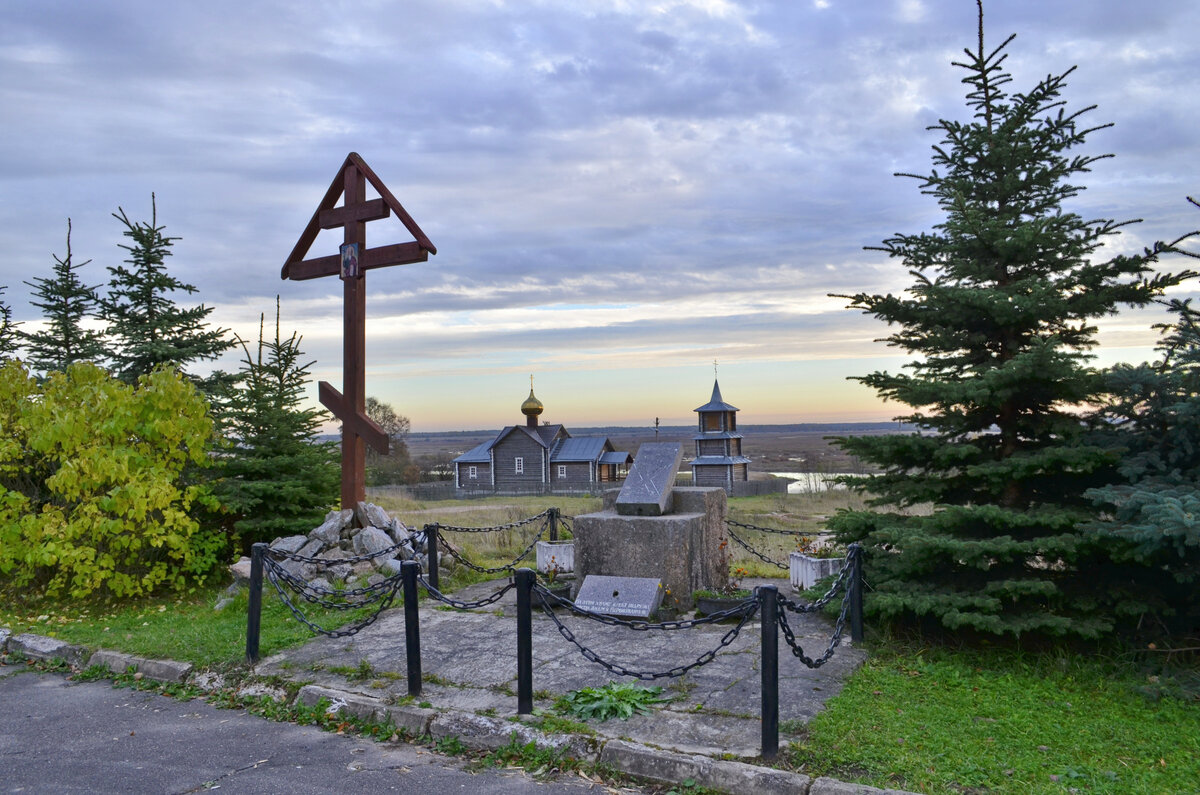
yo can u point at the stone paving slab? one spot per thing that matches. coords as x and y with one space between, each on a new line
469 661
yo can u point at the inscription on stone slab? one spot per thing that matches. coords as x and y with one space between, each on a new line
647 489
636 597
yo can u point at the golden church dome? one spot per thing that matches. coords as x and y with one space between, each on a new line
532 407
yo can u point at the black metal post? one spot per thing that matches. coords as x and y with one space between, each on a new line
553 524
768 596
412 624
525 580
431 545
254 612
856 594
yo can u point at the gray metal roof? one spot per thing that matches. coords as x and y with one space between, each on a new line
479 454
579 448
616 458
716 402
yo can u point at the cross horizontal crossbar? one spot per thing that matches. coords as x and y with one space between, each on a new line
378 257
372 210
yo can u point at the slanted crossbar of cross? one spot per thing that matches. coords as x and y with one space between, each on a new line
355 259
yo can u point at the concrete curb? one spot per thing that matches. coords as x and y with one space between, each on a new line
479 732
158 670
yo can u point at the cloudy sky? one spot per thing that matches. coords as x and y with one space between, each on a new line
621 191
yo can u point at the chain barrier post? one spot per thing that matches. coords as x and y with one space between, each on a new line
431 545
525 581
254 611
553 524
856 594
409 570
768 595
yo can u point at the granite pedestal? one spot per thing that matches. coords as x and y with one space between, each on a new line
684 548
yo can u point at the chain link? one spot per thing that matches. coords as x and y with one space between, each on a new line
454 553
484 602
754 551
834 641
495 528
316 594
776 531
385 601
744 612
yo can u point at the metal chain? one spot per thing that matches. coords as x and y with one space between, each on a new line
284 554
494 528
754 551
384 604
833 641
454 553
768 529
315 594
441 597
838 585
747 610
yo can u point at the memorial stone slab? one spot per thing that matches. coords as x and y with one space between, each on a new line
647 489
634 597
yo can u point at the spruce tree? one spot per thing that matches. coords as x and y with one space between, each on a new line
277 478
146 327
978 519
65 302
8 329
1154 417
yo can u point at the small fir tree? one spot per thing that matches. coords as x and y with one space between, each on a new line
1007 288
8 329
146 327
277 478
65 302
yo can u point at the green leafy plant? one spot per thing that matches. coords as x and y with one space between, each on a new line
91 494
613 700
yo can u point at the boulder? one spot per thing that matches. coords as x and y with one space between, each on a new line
289 543
331 530
321 585
311 549
241 571
398 531
371 540
389 566
370 515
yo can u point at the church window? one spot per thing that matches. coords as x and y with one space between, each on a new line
519 463
562 471
472 473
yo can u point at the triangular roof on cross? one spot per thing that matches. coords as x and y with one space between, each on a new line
328 216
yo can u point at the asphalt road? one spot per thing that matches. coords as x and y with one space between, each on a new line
64 737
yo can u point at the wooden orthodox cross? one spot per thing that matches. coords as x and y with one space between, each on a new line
351 263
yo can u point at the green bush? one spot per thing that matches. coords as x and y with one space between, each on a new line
90 492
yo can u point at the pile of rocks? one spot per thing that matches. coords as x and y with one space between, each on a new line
344 536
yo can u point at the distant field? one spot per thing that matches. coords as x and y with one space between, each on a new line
771 448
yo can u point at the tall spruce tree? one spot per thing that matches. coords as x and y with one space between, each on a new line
8 329
277 478
1000 317
146 327
65 302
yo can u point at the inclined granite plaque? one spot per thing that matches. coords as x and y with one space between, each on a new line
647 489
636 597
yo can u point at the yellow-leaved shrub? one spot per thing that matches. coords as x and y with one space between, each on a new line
91 495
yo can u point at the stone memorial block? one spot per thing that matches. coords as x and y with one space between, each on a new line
634 597
647 489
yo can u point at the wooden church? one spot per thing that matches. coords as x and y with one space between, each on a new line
534 458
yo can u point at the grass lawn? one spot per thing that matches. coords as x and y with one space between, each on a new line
944 721
175 627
